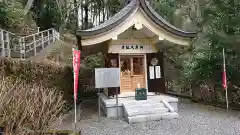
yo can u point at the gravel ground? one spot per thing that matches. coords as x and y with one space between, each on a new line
194 119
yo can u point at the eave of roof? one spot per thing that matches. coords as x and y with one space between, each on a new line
126 12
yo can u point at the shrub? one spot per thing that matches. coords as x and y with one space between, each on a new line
204 70
49 75
28 106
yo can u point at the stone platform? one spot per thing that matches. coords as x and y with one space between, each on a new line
154 108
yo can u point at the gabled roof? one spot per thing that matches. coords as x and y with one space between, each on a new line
126 12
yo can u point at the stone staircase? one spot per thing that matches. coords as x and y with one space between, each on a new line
140 111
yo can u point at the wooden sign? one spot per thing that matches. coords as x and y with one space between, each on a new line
131 49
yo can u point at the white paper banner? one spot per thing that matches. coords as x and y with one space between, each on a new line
158 72
151 72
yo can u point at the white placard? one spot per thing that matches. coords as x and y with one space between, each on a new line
158 72
151 72
107 77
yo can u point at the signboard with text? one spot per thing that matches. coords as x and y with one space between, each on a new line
107 77
134 48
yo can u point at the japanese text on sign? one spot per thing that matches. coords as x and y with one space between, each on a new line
132 47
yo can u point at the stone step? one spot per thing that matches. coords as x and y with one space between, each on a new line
152 117
137 109
145 104
141 102
142 111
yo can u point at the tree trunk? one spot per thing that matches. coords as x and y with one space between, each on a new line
99 13
86 15
76 13
82 15
104 9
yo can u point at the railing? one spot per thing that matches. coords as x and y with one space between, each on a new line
14 46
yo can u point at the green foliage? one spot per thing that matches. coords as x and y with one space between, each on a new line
165 8
94 61
11 14
220 30
47 14
13 17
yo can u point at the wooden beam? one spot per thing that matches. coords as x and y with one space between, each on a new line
138 25
130 41
115 38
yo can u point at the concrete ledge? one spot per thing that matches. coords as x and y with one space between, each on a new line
168 106
152 117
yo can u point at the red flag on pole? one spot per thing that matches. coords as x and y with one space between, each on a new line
224 75
76 66
224 78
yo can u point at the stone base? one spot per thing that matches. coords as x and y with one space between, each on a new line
109 107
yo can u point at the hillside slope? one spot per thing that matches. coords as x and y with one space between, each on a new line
60 52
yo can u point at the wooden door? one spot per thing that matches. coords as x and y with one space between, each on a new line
138 72
126 69
155 84
132 73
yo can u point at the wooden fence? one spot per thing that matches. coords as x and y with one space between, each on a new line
15 46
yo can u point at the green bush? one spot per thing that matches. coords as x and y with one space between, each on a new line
204 71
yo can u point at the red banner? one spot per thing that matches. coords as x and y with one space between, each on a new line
224 80
76 67
224 75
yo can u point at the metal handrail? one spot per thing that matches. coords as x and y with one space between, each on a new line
10 41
